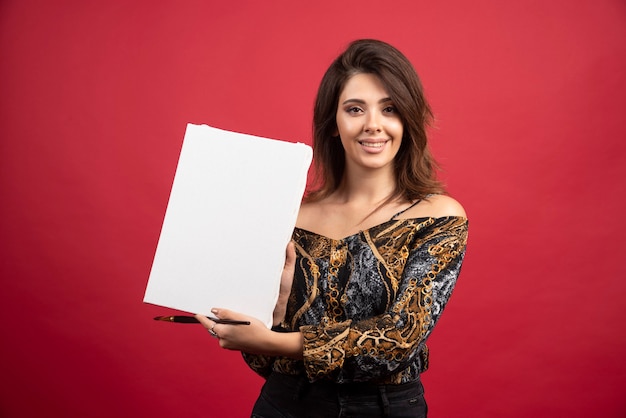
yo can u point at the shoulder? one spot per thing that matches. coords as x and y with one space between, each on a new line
436 206
443 205
307 208
308 214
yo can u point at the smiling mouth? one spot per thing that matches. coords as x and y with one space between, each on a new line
373 144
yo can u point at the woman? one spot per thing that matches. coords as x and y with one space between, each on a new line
375 254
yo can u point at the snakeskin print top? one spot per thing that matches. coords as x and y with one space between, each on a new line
365 304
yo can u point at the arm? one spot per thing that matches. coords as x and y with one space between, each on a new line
257 342
255 338
379 346
286 280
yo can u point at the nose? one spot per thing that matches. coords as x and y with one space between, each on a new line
372 122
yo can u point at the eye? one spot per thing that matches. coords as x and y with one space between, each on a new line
354 109
390 109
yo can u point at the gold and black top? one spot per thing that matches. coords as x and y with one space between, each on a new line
366 304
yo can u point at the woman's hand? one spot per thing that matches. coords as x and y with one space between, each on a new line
286 280
255 338
247 338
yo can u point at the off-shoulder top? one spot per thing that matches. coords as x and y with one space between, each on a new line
366 304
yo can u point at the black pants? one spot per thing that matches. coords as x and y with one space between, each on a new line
284 396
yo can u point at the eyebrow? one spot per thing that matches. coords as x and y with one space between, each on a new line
361 101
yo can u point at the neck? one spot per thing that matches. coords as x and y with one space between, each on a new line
366 187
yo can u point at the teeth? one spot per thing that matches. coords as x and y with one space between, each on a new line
373 145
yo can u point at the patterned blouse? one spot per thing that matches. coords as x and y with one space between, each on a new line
366 304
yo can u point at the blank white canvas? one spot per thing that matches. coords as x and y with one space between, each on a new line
232 209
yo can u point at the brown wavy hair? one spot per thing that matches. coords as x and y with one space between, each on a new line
415 168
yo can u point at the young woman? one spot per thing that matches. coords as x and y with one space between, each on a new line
374 258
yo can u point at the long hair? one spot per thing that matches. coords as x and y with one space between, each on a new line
414 166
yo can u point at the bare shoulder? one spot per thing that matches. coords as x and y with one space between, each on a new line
446 206
308 214
437 206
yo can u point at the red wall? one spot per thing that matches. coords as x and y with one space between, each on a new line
530 98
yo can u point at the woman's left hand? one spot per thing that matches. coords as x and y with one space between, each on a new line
235 337
255 338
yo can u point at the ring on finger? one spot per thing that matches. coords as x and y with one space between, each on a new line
212 331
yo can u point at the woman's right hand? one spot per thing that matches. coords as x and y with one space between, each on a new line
286 280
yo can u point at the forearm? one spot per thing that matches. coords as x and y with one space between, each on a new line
254 338
271 344
263 364
284 344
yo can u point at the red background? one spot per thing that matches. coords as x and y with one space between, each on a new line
95 96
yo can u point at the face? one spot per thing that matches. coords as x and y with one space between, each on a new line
368 124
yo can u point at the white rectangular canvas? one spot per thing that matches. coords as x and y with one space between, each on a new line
232 209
